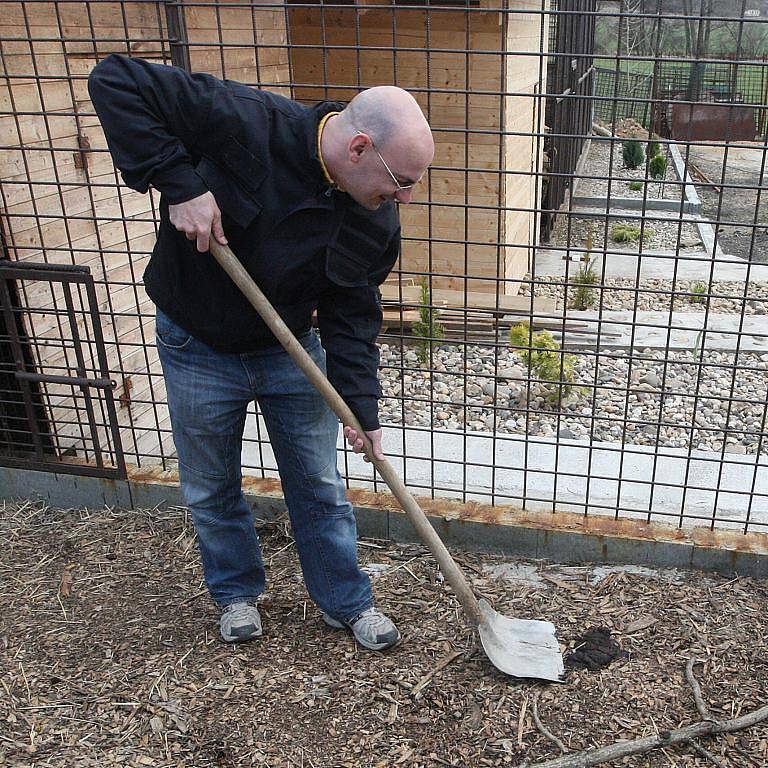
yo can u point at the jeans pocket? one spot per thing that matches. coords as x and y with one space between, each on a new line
313 347
169 334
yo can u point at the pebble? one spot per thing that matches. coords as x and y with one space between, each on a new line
660 295
667 415
651 379
517 373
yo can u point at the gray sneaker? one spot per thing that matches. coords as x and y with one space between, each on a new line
371 629
240 622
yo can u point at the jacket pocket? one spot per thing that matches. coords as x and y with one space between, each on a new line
234 178
356 246
243 165
345 268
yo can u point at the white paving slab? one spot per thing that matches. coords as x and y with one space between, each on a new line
614 203
615 209
569 475
662 265
665 330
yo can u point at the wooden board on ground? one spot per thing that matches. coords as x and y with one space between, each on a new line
471 315
444 298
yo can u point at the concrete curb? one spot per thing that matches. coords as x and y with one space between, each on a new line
615 204
706 230
557 536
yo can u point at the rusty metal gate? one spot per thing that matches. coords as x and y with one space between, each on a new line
56 403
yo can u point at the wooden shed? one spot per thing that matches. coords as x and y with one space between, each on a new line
476 68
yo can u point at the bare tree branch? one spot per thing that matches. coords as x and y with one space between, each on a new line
544 730
705 753
591 757
707 727
700 705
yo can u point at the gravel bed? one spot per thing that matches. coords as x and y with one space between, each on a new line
657 295
599 164
110 657
648 399
659 234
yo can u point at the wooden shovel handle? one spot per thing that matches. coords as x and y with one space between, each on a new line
283 334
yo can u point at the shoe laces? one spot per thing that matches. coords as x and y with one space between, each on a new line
373 617
239 610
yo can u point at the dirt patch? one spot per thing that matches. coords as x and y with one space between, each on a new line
110 656
730 195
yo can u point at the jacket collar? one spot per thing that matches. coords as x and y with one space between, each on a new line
312 120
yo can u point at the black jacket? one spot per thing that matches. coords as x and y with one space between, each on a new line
307 246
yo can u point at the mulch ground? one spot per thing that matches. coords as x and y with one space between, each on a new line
110 656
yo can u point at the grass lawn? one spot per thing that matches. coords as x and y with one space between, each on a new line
751 79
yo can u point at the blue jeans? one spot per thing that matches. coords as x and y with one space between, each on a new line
208 396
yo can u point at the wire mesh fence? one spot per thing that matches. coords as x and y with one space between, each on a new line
577 320
648 87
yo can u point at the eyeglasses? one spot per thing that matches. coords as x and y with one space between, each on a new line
399 187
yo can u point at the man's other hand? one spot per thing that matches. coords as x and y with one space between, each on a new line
356 442
198 218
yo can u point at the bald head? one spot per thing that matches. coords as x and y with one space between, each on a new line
383 125
387 113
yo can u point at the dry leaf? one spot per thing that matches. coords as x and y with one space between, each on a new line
559 582
156 724
475 719
642 623
67 580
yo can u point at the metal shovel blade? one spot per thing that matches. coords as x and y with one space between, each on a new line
521 647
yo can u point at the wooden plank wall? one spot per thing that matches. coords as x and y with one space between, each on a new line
247 44
420 50
526 76
61 202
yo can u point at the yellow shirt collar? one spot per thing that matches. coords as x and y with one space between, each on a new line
320 127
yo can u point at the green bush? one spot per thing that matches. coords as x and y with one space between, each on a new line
635 186
699 293
658 167
653 149
633 154
624 233
541 353
584 295
427 329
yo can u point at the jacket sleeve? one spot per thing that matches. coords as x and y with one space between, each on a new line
350 320
154 117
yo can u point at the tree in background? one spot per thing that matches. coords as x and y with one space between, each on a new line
697 34
635 30
683 31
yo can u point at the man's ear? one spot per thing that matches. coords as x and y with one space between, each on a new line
357 146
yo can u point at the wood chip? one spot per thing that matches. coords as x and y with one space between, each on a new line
127 669
642 623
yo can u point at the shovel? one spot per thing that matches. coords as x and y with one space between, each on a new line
521 648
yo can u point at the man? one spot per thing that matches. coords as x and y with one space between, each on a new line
305 199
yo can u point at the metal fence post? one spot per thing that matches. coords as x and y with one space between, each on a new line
177 34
